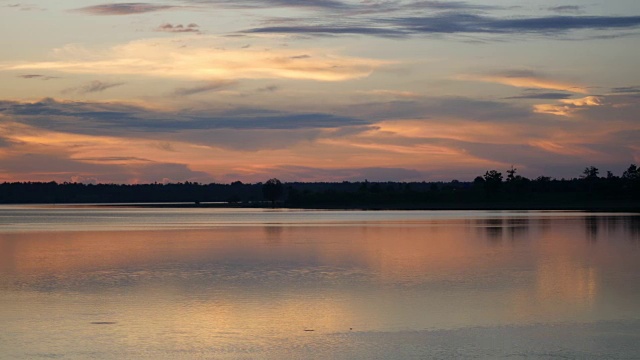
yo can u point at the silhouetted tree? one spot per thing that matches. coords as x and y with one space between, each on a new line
272 190
492 181
590 173
631 178
512 173
632 173
364 186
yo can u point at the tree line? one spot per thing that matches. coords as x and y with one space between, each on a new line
492 189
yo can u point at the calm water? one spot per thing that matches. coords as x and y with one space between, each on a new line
125 283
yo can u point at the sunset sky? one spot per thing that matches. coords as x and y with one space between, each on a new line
324 90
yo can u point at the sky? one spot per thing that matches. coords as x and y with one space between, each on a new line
324 90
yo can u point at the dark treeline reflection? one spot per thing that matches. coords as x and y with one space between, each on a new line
596 227
490 190
496 229
600 227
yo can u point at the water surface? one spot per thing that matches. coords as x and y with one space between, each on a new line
114 283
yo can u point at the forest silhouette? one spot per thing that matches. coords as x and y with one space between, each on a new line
491 191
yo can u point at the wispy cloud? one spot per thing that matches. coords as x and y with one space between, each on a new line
93 87
525 79
202 61
23 7
211 86
460 138
333 29
458 23
108 118
446 5
269 88
349 7
179 28
566 9
62 166
115 159
568 107
626 90
37 76
262 4
542 95
394 93
123 8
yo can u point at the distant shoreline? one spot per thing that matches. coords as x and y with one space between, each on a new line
582 206
593 193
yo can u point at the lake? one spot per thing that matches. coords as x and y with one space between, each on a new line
94 282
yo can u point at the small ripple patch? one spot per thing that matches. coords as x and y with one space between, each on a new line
103 322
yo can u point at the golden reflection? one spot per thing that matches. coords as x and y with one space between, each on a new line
273 234
327 277
565 279
393 251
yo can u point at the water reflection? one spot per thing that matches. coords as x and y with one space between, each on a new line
493 229
273 234
253 285
591 226
518 228
633 228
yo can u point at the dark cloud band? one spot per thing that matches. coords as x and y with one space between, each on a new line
452 23
123 8
108 118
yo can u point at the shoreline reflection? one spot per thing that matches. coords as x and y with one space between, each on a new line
233 283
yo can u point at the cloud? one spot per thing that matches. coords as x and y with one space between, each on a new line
349 8
458 23
332 29
586 101
439 108
394 93
565 9
166 58
448 5
525 79
5 143
92 87
211 86
114 159
60 166
24 7
123 9
37 76
114 118
568 107
263 4
626 90
269 88
179 28
322 4
392 140
542 95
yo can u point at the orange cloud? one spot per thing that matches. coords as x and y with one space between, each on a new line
568 107
526 79
563 149
199 59
461 130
